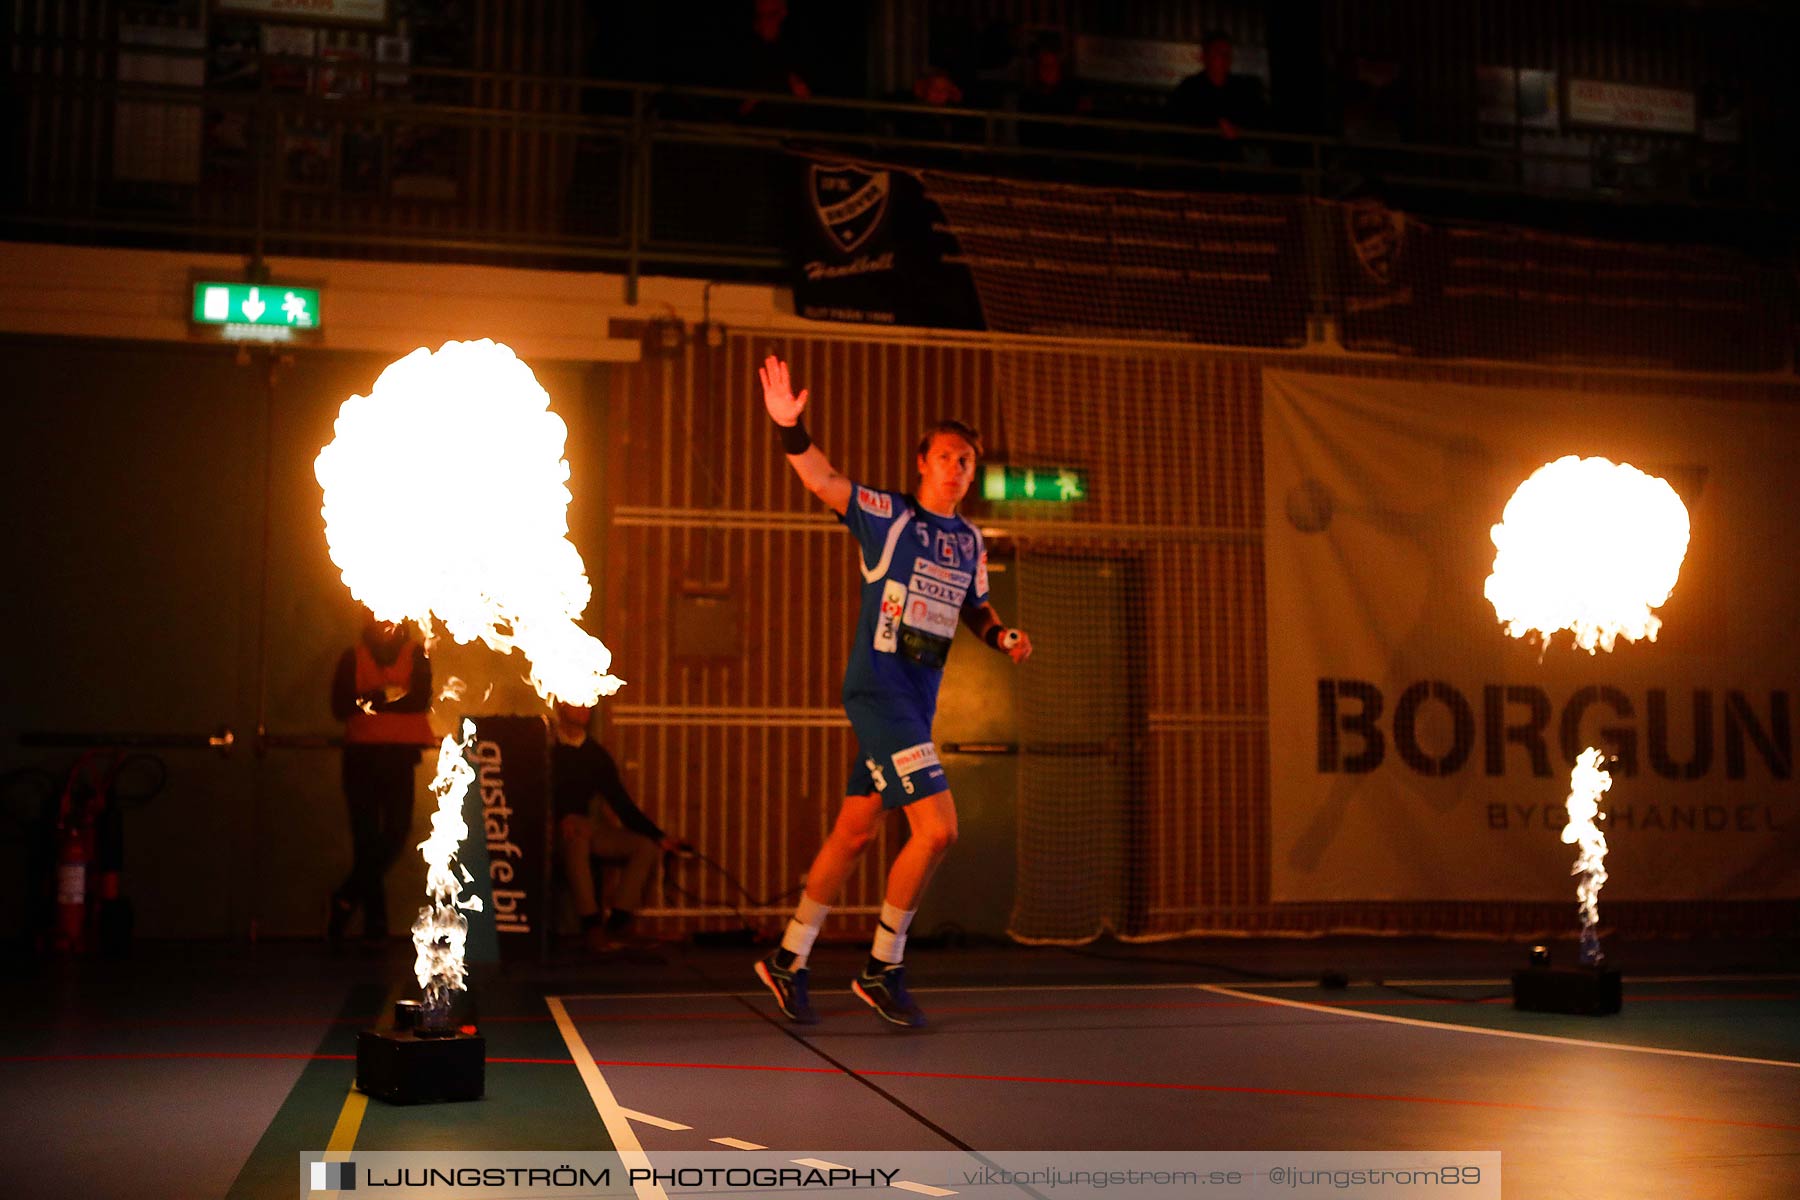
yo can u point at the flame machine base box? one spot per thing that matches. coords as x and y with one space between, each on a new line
1581 991
401 1067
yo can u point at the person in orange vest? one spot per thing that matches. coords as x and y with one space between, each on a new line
381 691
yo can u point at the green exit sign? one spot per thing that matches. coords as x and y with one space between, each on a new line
1054 484
273 304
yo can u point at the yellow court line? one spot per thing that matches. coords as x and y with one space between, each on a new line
350 1116
343 1134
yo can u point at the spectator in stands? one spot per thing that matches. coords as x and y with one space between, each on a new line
767 60
1215 98
1052 93
990 66
936 88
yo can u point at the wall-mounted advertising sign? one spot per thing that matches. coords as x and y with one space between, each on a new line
330 12
1627 106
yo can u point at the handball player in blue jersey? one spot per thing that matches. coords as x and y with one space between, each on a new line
923 570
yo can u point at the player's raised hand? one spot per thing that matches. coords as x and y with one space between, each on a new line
778 392
1016 644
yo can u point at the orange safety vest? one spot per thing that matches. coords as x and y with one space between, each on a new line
386 728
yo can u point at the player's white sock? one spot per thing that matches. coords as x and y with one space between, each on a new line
803 929
890 934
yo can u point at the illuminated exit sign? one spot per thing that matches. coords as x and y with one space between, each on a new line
1054 484
261 304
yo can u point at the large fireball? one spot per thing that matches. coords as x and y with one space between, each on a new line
1590 546
446 500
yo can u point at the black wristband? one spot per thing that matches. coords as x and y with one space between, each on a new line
794 438
994 633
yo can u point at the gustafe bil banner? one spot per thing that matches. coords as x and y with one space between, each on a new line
1418 752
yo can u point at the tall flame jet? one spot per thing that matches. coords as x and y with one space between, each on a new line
446 503
1587 783
1590 546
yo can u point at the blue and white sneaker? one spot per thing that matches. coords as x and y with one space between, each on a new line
788 988
885 992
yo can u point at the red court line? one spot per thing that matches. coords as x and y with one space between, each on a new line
1159 1005
238 1022
163 1055
160 1056
1630 997
757 1017
745 1017
1219 1089
1215 1089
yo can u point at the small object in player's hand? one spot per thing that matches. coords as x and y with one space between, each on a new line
1009 639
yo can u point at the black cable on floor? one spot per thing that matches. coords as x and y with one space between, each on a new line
1268 977
898 1103
1222 968
692 854
1421 995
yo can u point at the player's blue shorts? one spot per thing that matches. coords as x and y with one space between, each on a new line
896 757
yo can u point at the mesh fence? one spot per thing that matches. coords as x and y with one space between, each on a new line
1174 266
1141 717
1143 785
1061 259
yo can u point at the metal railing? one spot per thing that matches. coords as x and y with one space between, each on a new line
630 176
221 739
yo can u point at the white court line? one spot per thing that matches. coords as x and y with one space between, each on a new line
1058 987
618 1126
618 1120
1445 1027
664 995
1161 987
1028 987
1313 983
924 1189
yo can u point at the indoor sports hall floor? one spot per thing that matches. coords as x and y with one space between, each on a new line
203 1071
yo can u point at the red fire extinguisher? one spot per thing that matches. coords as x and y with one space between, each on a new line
74 854
72 857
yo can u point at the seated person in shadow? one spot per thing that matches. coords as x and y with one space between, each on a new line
596 818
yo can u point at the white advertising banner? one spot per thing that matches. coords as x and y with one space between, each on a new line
370 12
1419 753
1627 106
